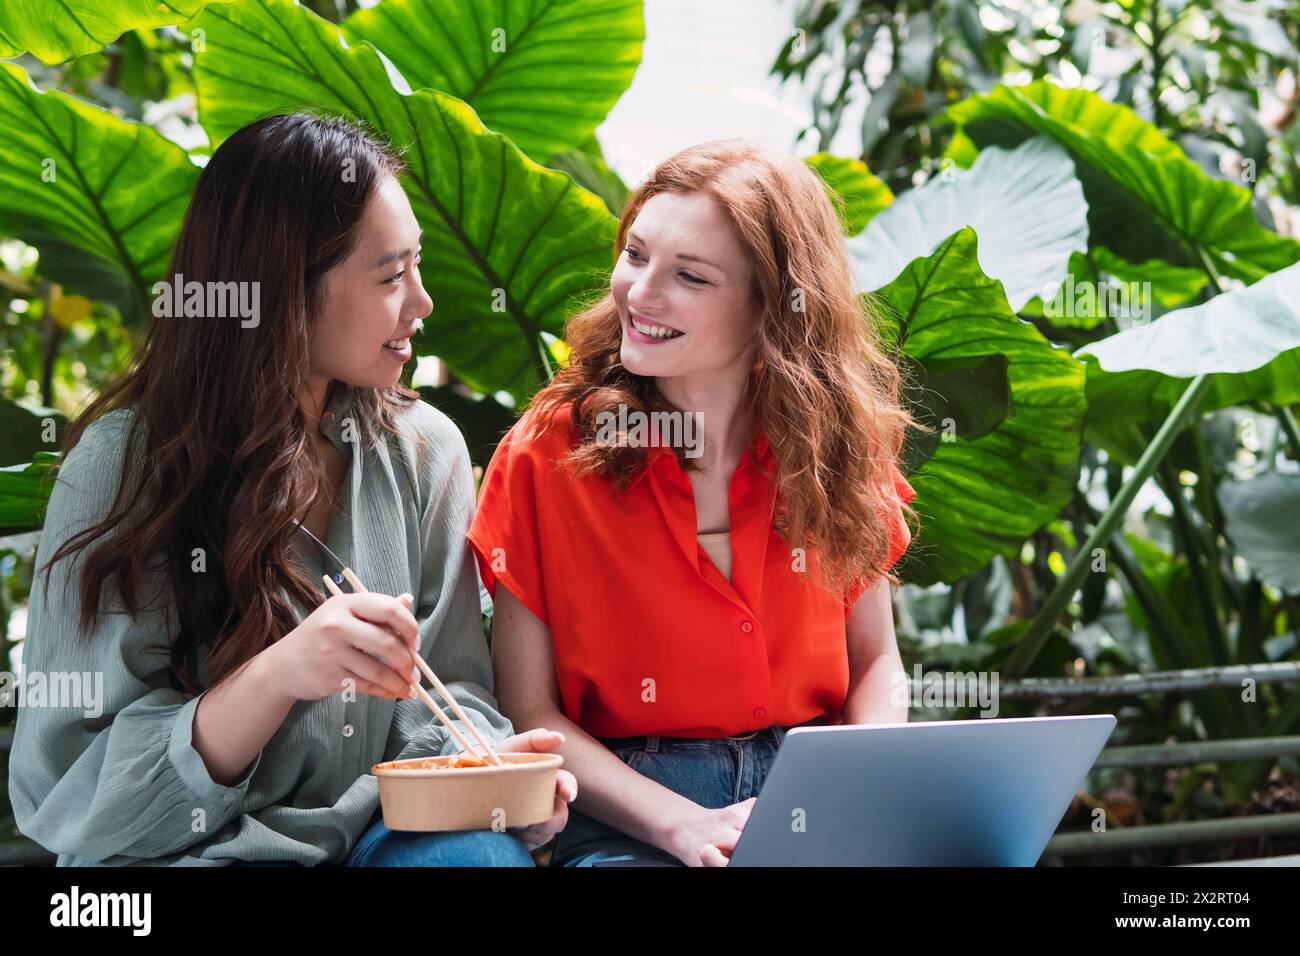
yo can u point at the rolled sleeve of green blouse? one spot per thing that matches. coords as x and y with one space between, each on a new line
194 773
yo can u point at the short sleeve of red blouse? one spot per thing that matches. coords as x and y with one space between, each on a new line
899 535
504 533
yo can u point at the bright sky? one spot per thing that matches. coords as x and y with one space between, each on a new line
704 75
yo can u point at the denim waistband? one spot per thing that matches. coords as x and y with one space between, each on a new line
652 742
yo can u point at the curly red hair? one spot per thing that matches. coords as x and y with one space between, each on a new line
823 390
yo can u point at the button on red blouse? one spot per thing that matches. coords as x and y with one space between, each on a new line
648 636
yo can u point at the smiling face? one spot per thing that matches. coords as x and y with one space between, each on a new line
682 286
373 301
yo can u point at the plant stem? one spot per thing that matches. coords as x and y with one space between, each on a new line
50 352
1157 67
1287 420
1212 272
1029 646
1221 579
546 358
1186 532
1161 621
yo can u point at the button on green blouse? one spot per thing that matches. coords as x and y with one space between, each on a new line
127 786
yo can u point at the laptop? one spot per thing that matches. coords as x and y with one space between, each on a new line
936 793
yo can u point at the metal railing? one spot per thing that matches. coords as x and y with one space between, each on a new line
1180 754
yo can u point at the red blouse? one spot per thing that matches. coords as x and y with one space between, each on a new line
648 636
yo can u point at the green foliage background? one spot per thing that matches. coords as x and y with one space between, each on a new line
1042 404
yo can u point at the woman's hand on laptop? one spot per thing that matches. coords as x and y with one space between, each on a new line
707 837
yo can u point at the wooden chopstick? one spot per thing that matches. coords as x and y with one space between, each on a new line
491 755
424 695
355 581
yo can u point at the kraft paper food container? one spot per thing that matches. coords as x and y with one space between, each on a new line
520 793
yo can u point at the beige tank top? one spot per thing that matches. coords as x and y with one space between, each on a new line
718 547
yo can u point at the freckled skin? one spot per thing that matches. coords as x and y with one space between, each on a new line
712 303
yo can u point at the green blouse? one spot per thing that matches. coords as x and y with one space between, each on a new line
127 786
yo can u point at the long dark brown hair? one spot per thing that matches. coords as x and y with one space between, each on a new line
219 455
823 390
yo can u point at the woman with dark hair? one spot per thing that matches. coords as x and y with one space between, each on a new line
241 712
692 592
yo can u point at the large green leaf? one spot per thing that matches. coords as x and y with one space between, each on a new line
861 193
1101 285
1249 338
977 392
1170 285
1236 331
100 197
509 246
586 164
1025 205
1075 304
1117 401
25 491
25 430
968 397
1261 520
57 30
543 72
983 496
1146 199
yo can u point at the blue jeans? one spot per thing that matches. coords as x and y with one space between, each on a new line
714 773
380 846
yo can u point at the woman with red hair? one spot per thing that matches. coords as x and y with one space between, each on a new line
688 536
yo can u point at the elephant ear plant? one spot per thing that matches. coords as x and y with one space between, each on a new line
521 244
1230 339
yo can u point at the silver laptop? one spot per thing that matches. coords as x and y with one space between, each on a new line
939 793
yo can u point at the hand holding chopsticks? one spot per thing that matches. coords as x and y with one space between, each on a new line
489 754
